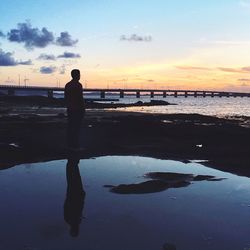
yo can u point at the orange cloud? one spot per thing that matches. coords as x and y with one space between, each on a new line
244 80
192 68
236 70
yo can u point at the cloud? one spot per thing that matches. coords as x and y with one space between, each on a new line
31 37
235 70
143 79
230 70
224 69
47 70
244 85
37 38
69 55
47 57
66 40
2 34
192 68
28 62
50 57
7 59
244 80
247 69
62 69
136 38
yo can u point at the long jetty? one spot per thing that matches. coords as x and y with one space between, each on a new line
12 89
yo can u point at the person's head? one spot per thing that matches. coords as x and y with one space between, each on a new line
75 73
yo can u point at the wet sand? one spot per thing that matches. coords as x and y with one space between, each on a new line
224 143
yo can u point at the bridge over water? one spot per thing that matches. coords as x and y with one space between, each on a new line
12 89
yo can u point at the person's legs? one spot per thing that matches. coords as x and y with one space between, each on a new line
77 129
70 129
74 128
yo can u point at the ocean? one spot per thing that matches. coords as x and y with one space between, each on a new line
220 107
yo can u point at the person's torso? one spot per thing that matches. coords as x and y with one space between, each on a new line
73 96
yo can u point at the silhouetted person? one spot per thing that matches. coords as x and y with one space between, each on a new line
75 196
75 109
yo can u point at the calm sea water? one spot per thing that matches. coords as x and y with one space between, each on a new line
220 107
207 215
206 106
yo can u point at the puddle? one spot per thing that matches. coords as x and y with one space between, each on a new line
56 205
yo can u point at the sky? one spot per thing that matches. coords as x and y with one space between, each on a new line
164 44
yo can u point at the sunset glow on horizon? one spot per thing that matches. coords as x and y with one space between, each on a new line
159 44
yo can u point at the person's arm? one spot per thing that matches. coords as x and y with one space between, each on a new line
82 102
66 96
70 96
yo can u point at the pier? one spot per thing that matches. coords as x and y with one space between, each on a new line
12 89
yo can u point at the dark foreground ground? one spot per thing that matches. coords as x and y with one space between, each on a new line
225 143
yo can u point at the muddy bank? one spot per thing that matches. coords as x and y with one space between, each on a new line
223 142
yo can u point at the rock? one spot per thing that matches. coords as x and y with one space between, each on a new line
159 102
139 103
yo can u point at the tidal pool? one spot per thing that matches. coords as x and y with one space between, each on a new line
56 205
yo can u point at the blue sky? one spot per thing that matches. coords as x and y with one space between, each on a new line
201 44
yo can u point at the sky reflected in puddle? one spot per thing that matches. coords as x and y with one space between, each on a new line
37 207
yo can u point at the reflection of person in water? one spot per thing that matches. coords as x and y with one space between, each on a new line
75 109
74 202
